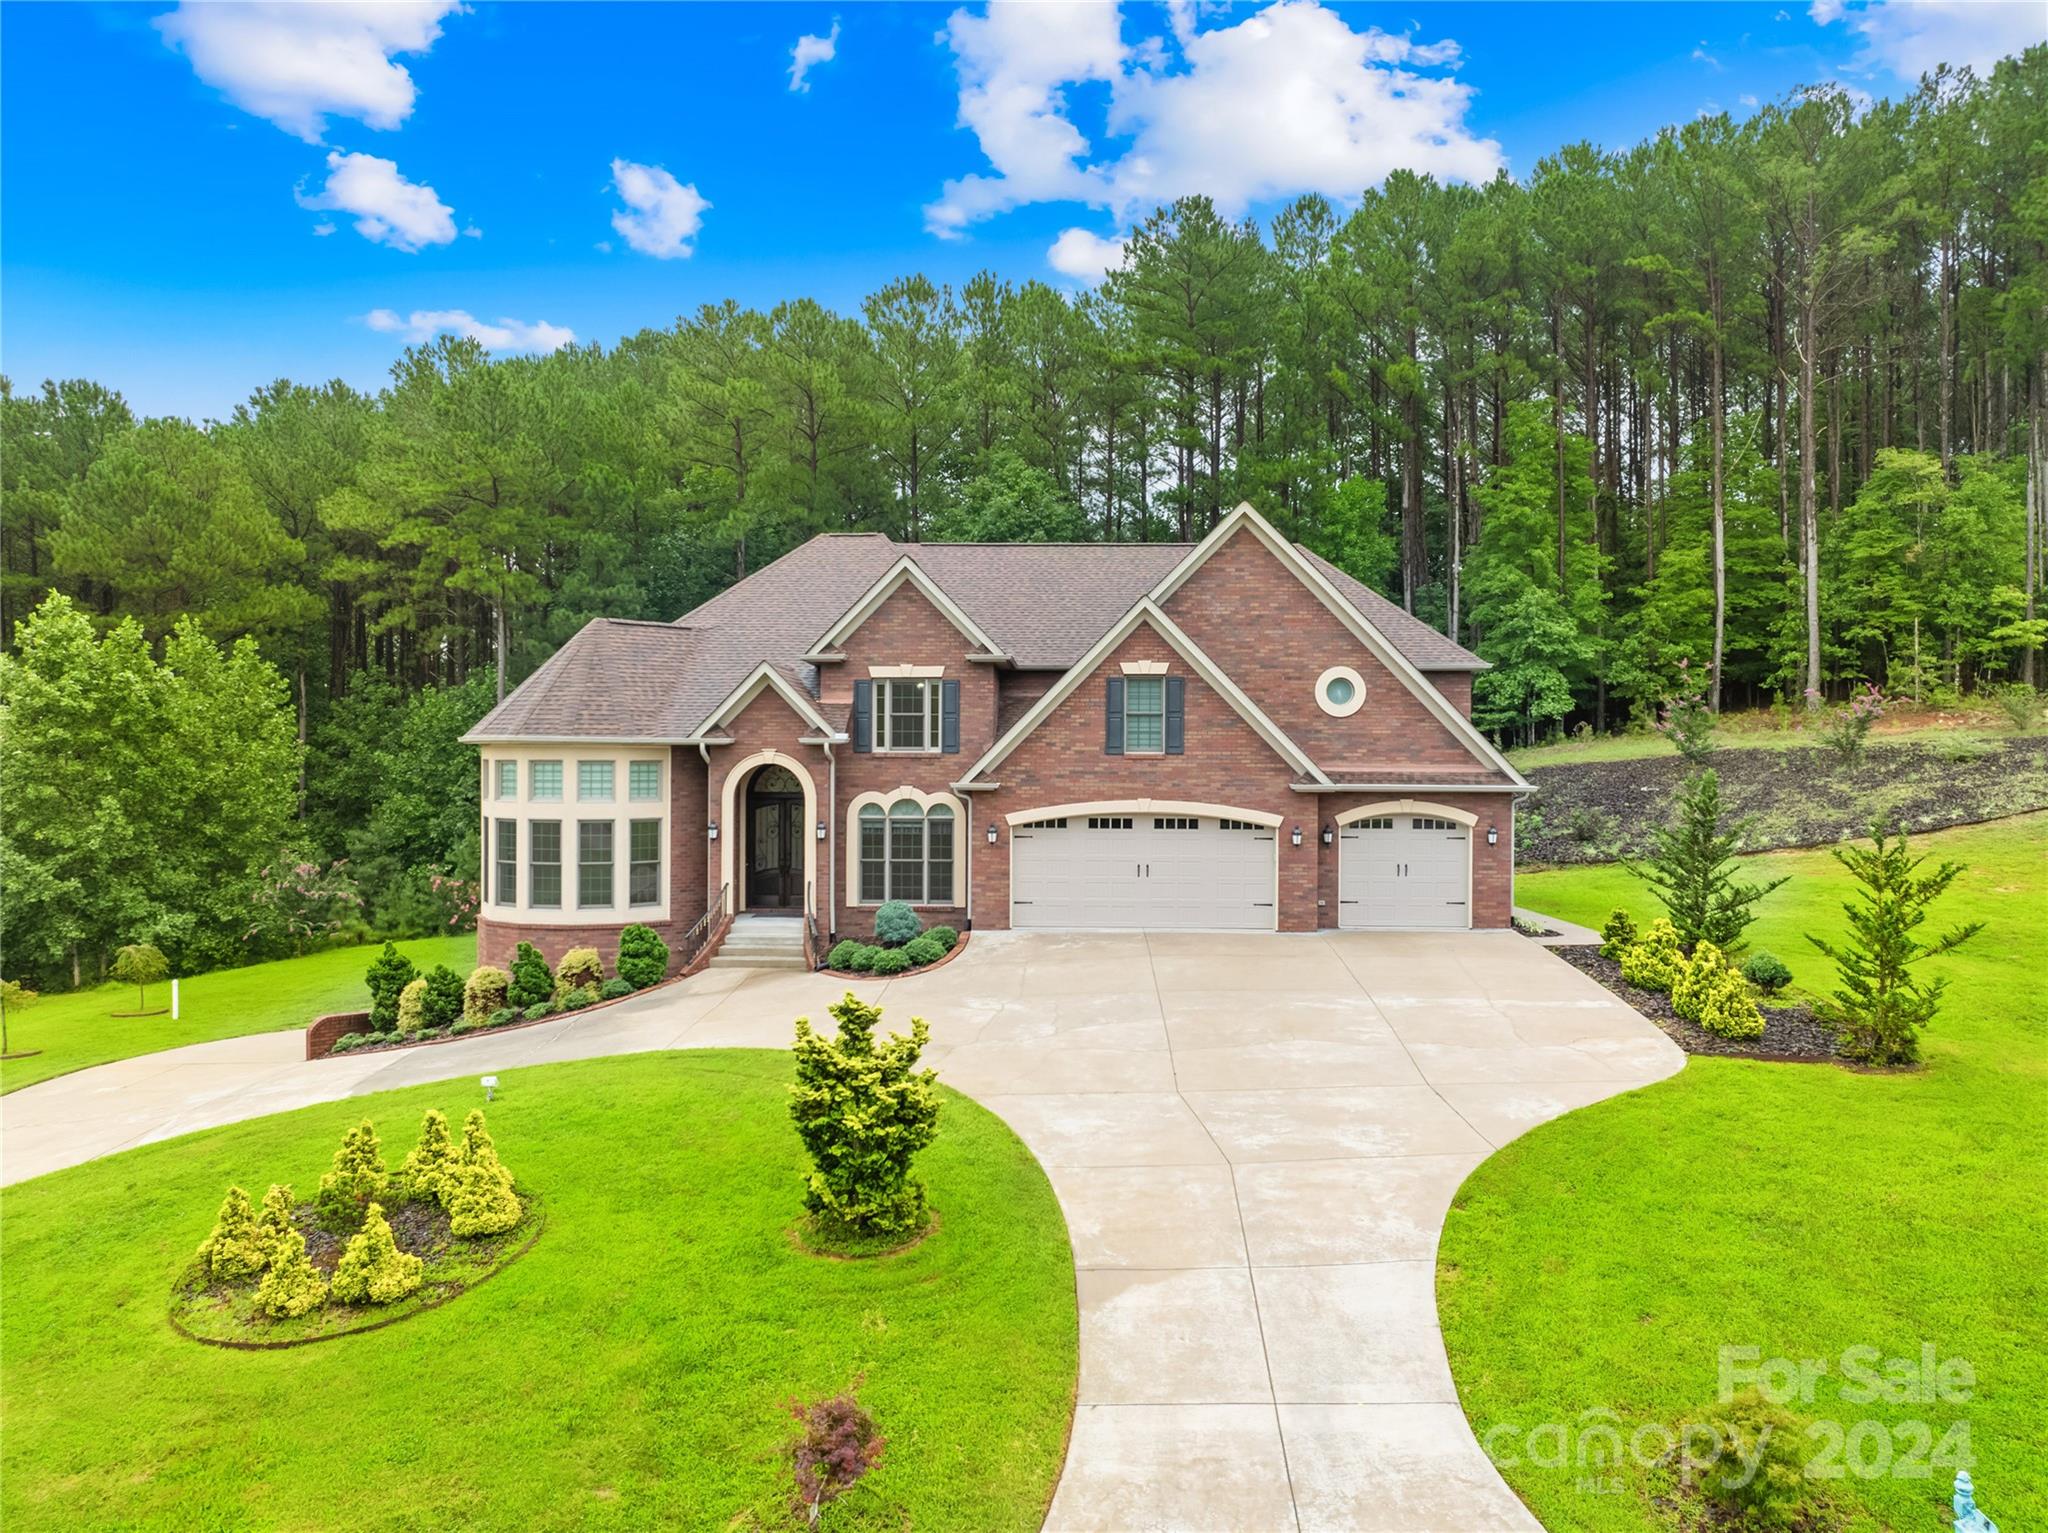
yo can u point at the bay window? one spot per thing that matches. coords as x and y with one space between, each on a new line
593 863
544 864
643 866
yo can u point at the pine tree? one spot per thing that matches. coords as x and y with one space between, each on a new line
1691 869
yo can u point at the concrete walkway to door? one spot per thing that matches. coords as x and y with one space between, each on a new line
1255 1139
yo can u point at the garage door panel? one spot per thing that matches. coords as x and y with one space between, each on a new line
1404 871
1164 872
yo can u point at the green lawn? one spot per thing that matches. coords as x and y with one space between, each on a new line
1604 1259
631 1371
75 1029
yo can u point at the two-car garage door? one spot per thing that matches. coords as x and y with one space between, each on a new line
1164 872
1403 871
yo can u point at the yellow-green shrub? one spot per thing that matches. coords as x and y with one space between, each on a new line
1696 977
580 967
484 992
372 1269
358 1176
483 1202
1655 962
1729 1011
292 1286
432 1162
411 1005
235 1249
276 1221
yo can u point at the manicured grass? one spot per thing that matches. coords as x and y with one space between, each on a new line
1760 729
74 1030
1602 1261
631 1371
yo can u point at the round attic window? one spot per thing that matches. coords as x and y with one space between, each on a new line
1340 691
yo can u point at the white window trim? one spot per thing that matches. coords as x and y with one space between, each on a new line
889 672
1147 750
926 802
568 811
1144 667
934 717
1342 710
660 793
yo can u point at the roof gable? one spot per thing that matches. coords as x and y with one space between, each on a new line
904 571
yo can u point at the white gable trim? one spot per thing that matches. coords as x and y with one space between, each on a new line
1147 611
904 570
766 677
1244 518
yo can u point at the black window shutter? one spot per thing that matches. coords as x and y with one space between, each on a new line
863 715
949 717
1113 717
1176 720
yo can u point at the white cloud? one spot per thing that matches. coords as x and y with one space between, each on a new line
294 64
323 228
388 209
661 215
1288 100
811 50
1088 256
1701 56
1910 37
506 335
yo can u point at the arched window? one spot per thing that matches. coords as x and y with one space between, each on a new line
906 853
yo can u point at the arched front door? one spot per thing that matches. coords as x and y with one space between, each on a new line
774 863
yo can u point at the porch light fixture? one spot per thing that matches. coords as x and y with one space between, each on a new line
821 830
1493 835
1295 838
1329 834
714 830
991 832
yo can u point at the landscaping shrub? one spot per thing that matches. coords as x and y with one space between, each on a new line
643 957
291 1286
1691 870
141 965
2021 705
235 1249
862 959
277 1219
482 1201
390 972
613 989
485 992
372 1269
477 1144
1617 934
841 956
1879 1007
1767 972
1745 1458
576 1000
441 1005
838 1444
945 936
896 923
1728 1011
1844 730
349 1041
357 1178
540 1009
923 950
432 1162
501 1016
1654 963
890 960
1593 829
863 1111
412 1000
580 966
532 981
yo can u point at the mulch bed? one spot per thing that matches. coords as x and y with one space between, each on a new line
1791 1035
1800 796
959 943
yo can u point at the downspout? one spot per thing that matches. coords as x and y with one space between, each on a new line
969 802
704 750
831 843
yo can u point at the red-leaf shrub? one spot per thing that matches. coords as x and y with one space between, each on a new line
839 1444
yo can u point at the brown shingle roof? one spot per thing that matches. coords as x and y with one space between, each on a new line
1044 603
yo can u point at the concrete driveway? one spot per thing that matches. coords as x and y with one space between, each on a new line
1255 1139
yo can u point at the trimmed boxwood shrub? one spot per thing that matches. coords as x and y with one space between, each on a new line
841 956
896 923
1767 972
923 950
945 936
349 1041
390 972
485 992
577 999
532 980
643 957
862 959
890 960
580 966
612 989
540 1009
502 1015
441 1006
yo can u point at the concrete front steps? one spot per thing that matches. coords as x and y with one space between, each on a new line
762 942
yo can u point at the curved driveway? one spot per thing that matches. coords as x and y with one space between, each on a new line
1255 1140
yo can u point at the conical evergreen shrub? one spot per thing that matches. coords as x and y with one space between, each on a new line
432 1162
372 1269
358 1176
235 1250
292 1286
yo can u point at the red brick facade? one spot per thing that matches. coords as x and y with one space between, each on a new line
1243 608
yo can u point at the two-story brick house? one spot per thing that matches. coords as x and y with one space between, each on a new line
1226 735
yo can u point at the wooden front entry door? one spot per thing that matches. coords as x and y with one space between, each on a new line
775 841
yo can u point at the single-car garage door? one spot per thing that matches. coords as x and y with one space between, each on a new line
1170 872
1404 870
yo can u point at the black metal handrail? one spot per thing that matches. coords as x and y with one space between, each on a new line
692 941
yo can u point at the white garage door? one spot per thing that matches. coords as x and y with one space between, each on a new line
1171 872
1404 870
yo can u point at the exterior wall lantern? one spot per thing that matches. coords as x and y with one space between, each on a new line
1295 838
1493 835
714 830
821 830
991 832
1329 833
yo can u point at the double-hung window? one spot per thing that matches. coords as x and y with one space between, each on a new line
544 864
643 866
505 879
1145 715
906 715
906 853
593 863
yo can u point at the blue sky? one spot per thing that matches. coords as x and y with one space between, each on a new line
195 200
